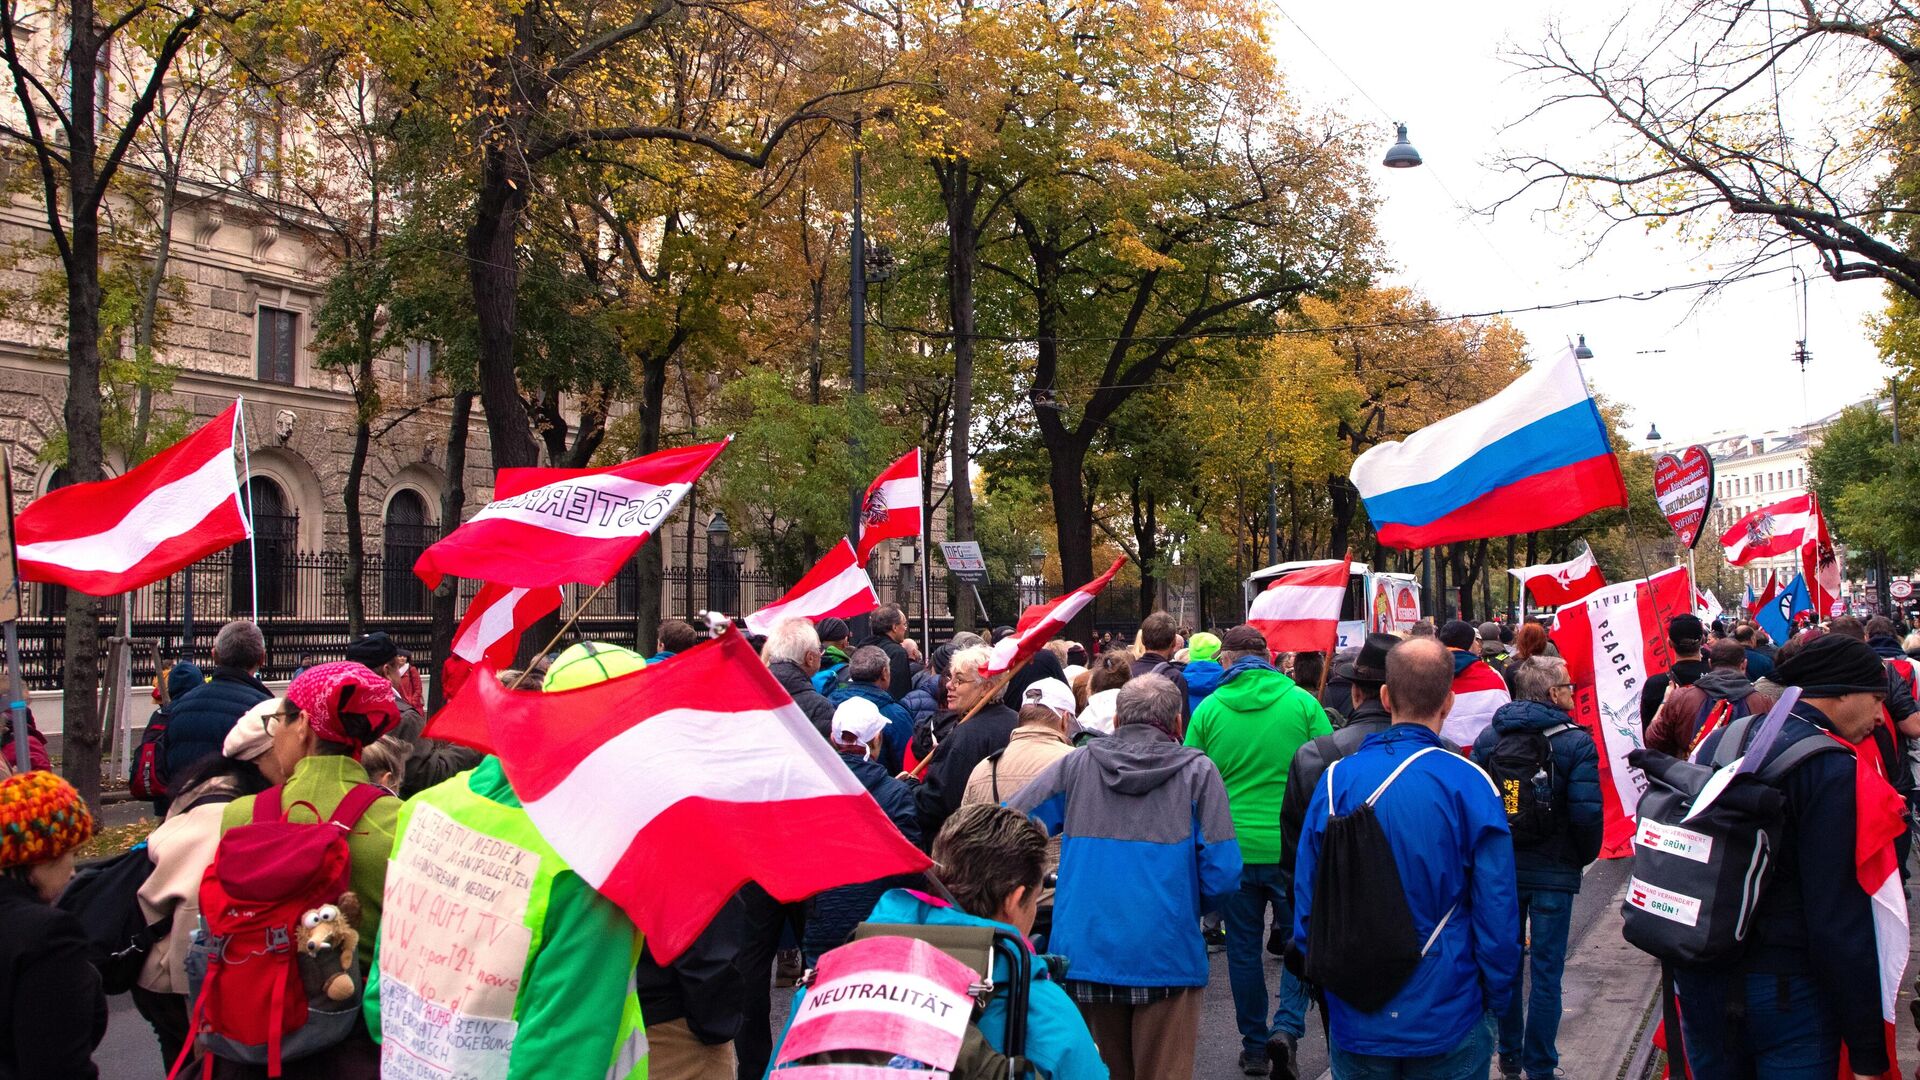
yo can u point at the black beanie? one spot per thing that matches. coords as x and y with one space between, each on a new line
1834 664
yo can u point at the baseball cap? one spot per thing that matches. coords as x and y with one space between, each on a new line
1203 646
1052 693
857 721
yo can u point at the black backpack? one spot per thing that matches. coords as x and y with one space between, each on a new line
1361 942
1523 771
105 897
1699 872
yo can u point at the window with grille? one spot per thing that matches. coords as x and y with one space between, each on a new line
277 335
405 534
270 559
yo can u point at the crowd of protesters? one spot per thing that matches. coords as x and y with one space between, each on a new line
1106 804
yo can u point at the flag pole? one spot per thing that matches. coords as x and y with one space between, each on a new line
10 600
578 610
246 490
926 597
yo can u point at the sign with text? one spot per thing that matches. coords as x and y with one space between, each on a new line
1683 486
893 995
1395 606
453 949
965 561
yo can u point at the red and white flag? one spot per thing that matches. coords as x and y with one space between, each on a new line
1301 612
1039 623
670 788
1553 584
836 587
548 527
1770 530
113 536
1613 641
891 510
1820 564
489 633
1766 596
1879 820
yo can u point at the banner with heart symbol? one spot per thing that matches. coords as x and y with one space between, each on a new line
1683 486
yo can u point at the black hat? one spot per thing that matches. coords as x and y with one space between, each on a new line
1369 665
1459 634
1686 628
375 650
1834 664
831 629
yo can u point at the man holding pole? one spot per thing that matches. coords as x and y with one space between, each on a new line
986 730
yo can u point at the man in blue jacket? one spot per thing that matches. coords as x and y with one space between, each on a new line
868 670
1447 827
1147 846
1549 867
199 720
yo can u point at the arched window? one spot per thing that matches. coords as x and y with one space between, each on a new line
405 534
275 528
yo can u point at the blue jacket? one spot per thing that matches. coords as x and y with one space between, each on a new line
1203 677
1759 664
1058 1042
893 751
837 911
197 724
924 699
1448 829
660 657
1556 864
1139 812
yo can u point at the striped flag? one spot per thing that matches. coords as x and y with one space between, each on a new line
670 788
1879 820
549 527
1039 623
1301 612
490 631
1770 530
891 510
1553 584
168 512
836 587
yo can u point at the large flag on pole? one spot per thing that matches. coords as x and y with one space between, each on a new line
670 788
1770 530
1039 623
891 510
836 587
168 512
490 631
1613 641
1533 456
1820 564
548 527
1301 612
1554 584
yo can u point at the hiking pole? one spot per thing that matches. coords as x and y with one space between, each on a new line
993 691
558 634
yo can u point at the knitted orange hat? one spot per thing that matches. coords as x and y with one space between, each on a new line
41 818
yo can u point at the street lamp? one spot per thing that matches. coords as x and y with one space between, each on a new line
720 595
1653 432
1580 351
1401 155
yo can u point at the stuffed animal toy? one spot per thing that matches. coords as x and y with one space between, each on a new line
327 941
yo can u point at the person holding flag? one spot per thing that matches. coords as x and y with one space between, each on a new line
1815 986
986 728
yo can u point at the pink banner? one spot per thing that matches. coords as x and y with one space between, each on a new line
891 994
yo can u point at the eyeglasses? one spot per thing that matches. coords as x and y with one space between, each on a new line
1563 686
285 717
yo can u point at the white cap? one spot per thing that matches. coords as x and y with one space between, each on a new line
248 738
1073 671
857 721
1052 693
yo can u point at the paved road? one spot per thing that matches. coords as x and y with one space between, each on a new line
1604 1011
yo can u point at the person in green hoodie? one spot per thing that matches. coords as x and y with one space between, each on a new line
1251 727
496 958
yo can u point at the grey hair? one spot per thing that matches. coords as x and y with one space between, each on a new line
1535 677
967 639
240 644
886 618
969 660
791 639
868 664
1149 699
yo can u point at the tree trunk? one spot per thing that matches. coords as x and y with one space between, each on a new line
1073 525
494 272
453 503
1342 503
650 564
1146 530
352 583
962 196
143 334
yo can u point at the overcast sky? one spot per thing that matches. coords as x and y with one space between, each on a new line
1437 67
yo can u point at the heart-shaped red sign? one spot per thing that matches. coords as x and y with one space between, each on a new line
1683 486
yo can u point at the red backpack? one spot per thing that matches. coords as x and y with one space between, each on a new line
251 1002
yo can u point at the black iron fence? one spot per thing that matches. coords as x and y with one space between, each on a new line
302 608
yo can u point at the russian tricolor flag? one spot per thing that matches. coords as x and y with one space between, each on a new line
1531 457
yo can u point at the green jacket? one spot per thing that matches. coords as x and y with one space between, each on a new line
1251 727
541 944
321 782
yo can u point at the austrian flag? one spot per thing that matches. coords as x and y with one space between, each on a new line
891 510
836 587
548 527
670 788
1039 623
490 631
1301 612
